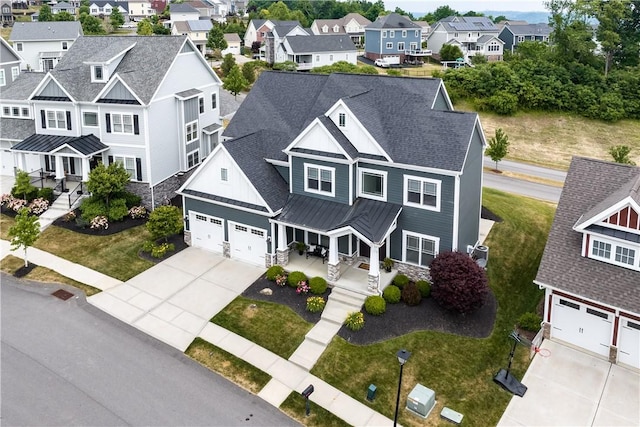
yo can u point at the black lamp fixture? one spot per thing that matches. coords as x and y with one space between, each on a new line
403 357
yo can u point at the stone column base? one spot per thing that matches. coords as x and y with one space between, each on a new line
546 330
613 354
226 250
373 284
187 237
334 272
268 260
282 256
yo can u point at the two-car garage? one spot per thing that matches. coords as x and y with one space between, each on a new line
593 329
246 243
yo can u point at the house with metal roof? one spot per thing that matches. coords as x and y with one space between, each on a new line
590 268
197 31
352 24
109 100
512 34
361 167
43 44
475 35
394 35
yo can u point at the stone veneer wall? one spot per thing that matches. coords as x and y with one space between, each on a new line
613 354
413 272
163 192
187 237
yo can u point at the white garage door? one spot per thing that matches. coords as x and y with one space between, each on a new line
581 325
6 162
207 232
247 243
629 342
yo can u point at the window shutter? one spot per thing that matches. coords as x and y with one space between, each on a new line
69 121
138 168
72 166
43 116
47 165
110 157
136 125
108 117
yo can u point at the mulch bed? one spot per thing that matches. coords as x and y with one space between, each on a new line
114 227
23 271
178 242
487 214
399 319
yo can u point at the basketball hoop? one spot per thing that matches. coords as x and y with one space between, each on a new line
543 352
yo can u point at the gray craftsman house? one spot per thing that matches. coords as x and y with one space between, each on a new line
358 167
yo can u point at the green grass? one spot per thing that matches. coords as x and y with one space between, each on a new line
10 264
237 370
270 325
458 369
294 406
115 255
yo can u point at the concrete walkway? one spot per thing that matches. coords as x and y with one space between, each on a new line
174 301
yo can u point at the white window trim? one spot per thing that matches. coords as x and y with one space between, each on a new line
19 47
113 124
389 45
320 169
64 45
84 122
614 244
187 133
123 161
342 120
362 171
15 72
201 106
404 33
406 233
64 115
94 78
224 175
384 34
401 46
392 34
3 78
405 189
191 153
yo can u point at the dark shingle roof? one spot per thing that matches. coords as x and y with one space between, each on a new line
468 23
393 21
51 30
142 68
22 86
36 143
371 218
288 102
317 43
563 267
530 29
16 129
112 3
182 8
223 200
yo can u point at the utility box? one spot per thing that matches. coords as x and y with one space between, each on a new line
371 392
421 400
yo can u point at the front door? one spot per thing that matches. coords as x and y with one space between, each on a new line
365 250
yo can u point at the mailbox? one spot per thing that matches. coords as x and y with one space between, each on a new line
307 391
371 392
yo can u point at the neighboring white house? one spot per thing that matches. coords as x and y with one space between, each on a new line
316 51
104 8
43 44
149 103
183 12
275 37
474 34
140 9
352 24
257 29
197 31
233 44
63 7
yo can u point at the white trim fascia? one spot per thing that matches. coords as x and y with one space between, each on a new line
277 162
411 168
482 141
226 205
109 85
587 299
320 158
147 145
351 184
290 175
49 77
339 232
608 212
442 88
299 227
301 135
67 146
456 213
406 232
359 124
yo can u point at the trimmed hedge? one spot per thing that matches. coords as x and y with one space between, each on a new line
392 294
529 322
295 277
411 295
317 285
274 271
400 280
375 305
424 287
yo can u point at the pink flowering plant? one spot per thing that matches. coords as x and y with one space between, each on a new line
38 206
137 212
303 287
281 279
5 199
16 204
100 223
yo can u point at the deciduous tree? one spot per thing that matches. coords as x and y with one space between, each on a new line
45 14
24 232
235 81
620 154
215 39
165 221
145 28
116 18
92 25
107 181
498 146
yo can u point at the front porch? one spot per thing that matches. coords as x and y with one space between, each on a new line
352 277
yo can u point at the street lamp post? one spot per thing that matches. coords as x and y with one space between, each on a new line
403 356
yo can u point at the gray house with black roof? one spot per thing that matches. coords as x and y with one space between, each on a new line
368 167
313 51
590 268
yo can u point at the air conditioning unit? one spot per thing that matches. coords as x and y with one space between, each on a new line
421 401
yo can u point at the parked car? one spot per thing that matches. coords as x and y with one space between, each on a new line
387 61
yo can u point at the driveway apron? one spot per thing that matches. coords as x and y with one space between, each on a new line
175 299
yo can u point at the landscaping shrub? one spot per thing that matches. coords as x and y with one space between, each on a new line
47 194
355 321
302 288
296 277
529 322
38 206
99 223
391 294
424 287
458 283
117 210
137 212
504 103
23 189
92 207
315 304
317 285
375 305
158 250
400 280
411 294
130 199
274 271
165 221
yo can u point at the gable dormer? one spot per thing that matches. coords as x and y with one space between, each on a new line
103 65
325 28
336 28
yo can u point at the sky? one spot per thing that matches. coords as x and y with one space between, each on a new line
466 5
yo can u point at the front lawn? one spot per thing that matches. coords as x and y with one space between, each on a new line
458 369
270 325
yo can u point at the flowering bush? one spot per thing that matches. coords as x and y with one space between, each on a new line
158 251
5 198
281 279
38 206
16 204
137 212
355 321
100 223
302 288
315 304
69 216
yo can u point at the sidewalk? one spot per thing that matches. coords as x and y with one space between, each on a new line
176 312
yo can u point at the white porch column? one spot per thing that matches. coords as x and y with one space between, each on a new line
374 261
282 237
59 167
333 250
85 169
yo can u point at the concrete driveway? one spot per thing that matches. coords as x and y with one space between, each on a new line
572 388
174 300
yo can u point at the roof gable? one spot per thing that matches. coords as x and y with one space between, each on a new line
52 30
7 54
626 196
316 137
393 21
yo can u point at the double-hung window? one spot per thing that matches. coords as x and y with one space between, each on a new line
373 184
193 158
389 45
419 249
201 105
214 101
129 164
422 193
342 120
319 179
400 46
614 252
192 131
3 79
15 71
90 118
122 123
625 255
56 119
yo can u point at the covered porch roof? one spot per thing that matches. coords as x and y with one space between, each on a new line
85 145
372 220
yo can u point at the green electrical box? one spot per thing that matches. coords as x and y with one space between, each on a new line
371 392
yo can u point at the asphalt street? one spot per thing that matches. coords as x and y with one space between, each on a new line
527 169
66 363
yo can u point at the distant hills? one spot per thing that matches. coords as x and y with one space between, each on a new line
530 17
